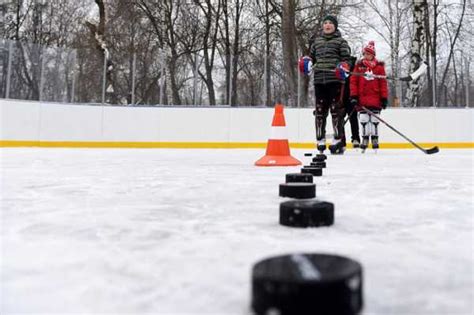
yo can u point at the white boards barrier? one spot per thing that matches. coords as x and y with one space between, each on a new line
25 123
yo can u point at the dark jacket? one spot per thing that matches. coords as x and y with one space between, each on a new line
327 51
369 92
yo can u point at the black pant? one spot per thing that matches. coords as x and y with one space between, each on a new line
353 120
329 98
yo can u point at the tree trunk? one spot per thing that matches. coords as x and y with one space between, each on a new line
227 50
417 49
453 43
289 50
268 77
236 51
428 46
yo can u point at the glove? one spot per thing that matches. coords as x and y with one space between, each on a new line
305 64
344 66
342 70
384 103
354 101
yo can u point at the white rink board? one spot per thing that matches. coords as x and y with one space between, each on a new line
21 120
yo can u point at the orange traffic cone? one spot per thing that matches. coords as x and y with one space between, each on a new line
278 148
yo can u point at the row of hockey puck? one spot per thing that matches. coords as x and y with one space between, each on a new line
306 283
304 210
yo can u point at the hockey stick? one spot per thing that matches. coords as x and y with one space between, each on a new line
349 117
415 75
432 150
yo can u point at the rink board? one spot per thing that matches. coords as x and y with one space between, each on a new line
25 124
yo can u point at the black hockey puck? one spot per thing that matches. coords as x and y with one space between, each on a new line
320 158
306 213
299 178
298 190
318 164
306 284
308 154
315 171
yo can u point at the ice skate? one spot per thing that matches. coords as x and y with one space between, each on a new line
355 144
336 147
340 150
375 142
321 146
364 144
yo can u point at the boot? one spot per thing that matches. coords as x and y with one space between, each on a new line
321 145
355 143
336 147
365 142
375 142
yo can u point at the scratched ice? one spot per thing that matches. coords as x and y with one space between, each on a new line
177 231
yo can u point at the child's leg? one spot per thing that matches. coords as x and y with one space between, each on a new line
364 119
375 129
321 113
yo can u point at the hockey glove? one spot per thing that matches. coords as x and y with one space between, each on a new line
305 64
342 71
354 101
384 103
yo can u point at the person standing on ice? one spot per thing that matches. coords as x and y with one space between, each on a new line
350 110
367 91
329 53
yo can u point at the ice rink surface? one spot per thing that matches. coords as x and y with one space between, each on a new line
122 231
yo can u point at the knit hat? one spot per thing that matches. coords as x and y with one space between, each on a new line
370 48
332 19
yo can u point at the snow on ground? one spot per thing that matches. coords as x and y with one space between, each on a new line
177 231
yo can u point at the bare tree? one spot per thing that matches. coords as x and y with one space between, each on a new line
393 15
417 47
452 43
98 35
288 32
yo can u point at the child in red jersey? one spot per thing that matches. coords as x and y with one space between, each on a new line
367 91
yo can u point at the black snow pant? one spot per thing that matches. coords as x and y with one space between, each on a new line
353 119
329 98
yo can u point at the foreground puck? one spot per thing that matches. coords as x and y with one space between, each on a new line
307 284
306 213
318 164
299 178
315 171
298 190
320 158
308 154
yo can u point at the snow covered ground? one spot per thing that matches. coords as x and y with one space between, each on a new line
177 231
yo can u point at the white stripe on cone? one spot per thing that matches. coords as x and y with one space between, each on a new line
279 133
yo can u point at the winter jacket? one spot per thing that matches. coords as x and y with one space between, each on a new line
327 50
369 92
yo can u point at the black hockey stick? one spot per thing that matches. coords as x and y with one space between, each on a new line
432 150
415 75
349 117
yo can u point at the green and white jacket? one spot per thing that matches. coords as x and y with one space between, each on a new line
327 50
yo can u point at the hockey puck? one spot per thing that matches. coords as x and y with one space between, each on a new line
308 154
315 171
307 284
306 213
320 158
299 178
318 164
298 190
